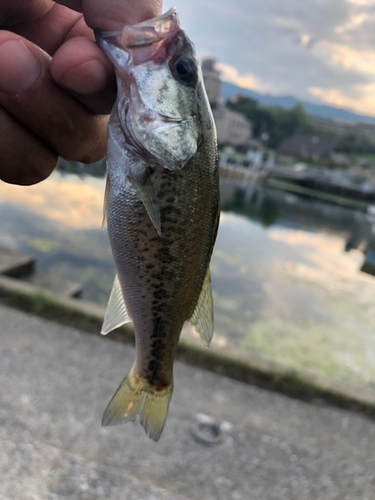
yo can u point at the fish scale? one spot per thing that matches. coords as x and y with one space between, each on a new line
162 216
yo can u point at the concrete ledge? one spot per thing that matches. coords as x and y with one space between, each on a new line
88 316
16 264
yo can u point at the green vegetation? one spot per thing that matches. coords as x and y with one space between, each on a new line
370 157
97 169
265 212
354 144
276 122
333 198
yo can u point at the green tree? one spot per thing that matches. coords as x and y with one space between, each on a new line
353 143
277 122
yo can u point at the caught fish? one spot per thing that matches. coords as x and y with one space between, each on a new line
162 207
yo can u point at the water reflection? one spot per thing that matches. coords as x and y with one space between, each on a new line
284 287
250 200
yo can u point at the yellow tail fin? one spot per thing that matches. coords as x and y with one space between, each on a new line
136 396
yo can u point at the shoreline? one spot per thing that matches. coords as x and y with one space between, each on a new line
89 316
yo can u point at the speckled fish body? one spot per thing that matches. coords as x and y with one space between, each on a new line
162 202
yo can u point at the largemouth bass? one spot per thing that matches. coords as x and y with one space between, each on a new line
162 205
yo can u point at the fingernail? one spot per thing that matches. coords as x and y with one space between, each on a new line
87 78
19 67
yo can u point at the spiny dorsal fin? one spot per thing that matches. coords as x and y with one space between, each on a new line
116 313
203 315
146 192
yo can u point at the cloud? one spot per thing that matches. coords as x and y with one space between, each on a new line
348 57
247 81
366 3
352 23
365 104
288 47
231 74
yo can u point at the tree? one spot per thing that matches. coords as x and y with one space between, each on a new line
353 143
278 123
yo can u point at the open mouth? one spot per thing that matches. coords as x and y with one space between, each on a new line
150 32
142 34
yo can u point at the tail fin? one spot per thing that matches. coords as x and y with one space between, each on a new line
137 396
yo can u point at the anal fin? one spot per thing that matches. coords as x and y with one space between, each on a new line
203 315
116 313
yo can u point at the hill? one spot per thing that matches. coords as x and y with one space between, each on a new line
229 90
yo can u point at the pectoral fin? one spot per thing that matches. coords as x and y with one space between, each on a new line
202 318
146 192
116 314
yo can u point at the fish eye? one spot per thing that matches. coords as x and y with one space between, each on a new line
185 69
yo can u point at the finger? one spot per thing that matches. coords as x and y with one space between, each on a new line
24 159
114 14
29 94
81 67
18 11
53 28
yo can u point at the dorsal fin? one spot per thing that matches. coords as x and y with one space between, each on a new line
202 318
116 313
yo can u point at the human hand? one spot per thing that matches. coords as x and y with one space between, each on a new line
56 85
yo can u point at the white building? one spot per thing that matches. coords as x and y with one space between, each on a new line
232 128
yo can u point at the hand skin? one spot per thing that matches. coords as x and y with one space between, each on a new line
56 85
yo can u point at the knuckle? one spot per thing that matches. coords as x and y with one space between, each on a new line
89 145
30 169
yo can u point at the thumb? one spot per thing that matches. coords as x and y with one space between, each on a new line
112 15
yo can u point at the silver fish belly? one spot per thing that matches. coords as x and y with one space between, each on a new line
162 204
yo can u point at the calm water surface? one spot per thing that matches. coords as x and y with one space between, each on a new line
285 270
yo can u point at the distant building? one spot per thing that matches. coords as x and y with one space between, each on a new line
366 130
307 146
212 81
328 126
232 128
342 127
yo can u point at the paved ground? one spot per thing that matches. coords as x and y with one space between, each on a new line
56 381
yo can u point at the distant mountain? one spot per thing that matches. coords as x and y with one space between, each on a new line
229 90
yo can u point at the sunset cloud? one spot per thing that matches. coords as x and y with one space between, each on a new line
231 74
347 57
246 81
320 51
365 104
366 3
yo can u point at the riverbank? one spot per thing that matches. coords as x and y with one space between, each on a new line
89 317
293 187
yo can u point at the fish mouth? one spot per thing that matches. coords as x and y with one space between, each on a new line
152 31
141 35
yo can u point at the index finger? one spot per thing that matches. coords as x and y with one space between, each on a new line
112 15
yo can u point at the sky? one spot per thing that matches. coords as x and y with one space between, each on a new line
322 51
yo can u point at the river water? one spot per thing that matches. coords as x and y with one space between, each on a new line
286 270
